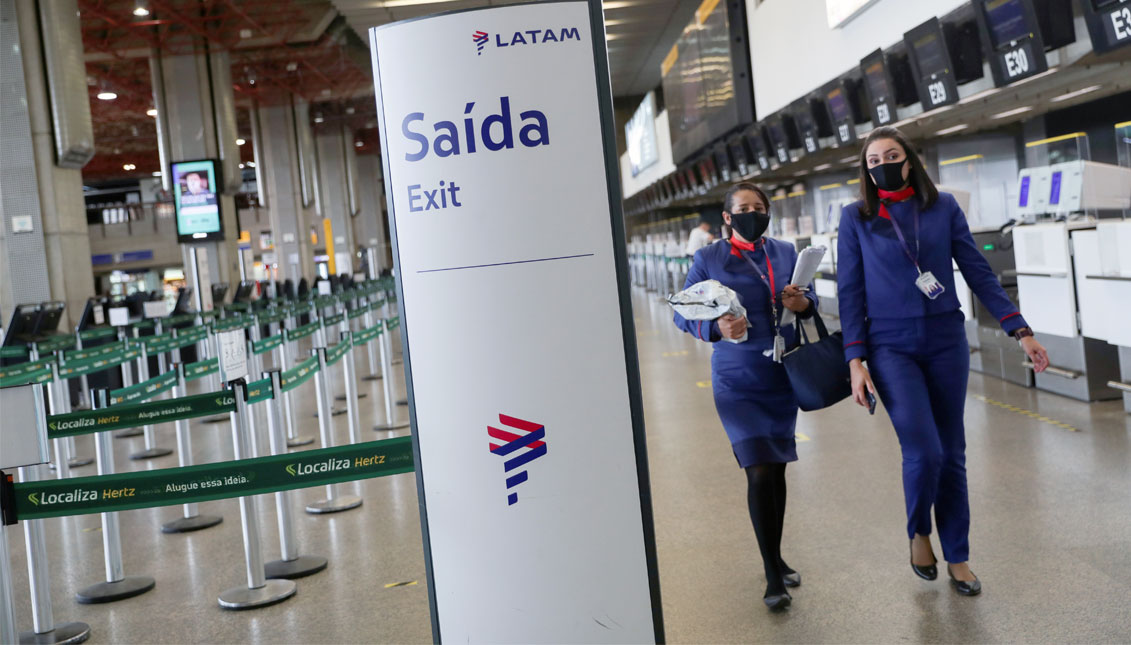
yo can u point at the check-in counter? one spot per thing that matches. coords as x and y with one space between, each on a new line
1056 296
1104 294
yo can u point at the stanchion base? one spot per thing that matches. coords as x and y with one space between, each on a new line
333 412
299 441
63 633
402 401
243 598
342 397
220 419
194 523
127 587
372 377
386 427
334 505
126 434
79 462
300 567
396 361
151 453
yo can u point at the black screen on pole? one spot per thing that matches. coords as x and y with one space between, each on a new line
1007 21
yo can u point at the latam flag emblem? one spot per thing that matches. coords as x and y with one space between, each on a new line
480 38
520 445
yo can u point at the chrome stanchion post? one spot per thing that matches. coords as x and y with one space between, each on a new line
44 629
55 400
291 565
350 379
333 502
293 438
8 633
60 395
151 450
259 591
192 520
370 352
127 380
387 384
117 586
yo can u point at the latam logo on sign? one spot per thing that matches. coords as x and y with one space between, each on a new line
518 448
528 37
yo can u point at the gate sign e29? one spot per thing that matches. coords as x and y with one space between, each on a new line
500 171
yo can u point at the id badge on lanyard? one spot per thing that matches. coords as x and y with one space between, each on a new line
779 342
927 283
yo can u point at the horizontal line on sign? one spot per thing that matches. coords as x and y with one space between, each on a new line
499 264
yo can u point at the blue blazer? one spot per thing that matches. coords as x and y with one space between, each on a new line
876 279
715 262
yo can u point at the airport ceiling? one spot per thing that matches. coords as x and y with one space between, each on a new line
315 49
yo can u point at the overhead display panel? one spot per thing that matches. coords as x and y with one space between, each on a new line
759 146
196 200
706 78
931 65
741 155
1011 36
837 100
778 134
806 124
878 82
1109 23
640 135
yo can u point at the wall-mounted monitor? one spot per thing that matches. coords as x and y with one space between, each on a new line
1011 38
783 137
878 82
196 200
931 65
741 155
759 146
1109 23
724 163
964 42
1057 22
706 79
806 126
640 135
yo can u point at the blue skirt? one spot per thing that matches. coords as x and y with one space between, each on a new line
755 403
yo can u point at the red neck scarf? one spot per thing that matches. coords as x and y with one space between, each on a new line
737 246
893 196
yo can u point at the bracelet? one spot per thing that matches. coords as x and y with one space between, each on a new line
1023 332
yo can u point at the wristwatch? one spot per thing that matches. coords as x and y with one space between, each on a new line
1022 333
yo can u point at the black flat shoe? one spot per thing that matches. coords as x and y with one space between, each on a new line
778 602
926 572
963 587
792 579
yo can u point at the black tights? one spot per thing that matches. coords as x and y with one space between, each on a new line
765 495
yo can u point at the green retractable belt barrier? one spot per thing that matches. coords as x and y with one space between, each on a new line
259 391
164 343
333 320
145 390
101 350
268 317
55 343
15 351
304 331
13 371
148 323
236 306
325 301
235 322
207 315
302 308
299 374
41 375
139 414
97 332
393 322
170 486
358 313
366 335
200 369
377 304
179 319
335 353
267 344
191 336
97 364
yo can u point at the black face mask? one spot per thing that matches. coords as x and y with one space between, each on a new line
750 225
888 176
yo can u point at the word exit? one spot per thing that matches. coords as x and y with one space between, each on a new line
423 199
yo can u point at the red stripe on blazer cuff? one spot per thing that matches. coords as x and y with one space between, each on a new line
699 329
855 342
1016 313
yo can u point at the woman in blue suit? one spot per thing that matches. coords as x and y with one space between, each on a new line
899 312
752 392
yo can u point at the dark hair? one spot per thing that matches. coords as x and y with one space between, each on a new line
737 188
918 178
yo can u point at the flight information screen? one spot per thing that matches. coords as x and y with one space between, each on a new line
196 200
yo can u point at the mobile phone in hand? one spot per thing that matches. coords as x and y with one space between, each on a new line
871 401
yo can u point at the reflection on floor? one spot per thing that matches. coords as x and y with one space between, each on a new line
1051 536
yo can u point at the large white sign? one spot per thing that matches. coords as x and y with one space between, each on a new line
495 166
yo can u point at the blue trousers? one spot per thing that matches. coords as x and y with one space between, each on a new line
920 367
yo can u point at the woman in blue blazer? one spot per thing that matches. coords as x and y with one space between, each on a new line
752 392
899 312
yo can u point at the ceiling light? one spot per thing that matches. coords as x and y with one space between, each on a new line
952 130
318 118
140 9
326 92
107 95
292 66
251 164
350 110
241 166
1013 112
241 141
156 173
358 144
129 166
245 33
1072 95
151 112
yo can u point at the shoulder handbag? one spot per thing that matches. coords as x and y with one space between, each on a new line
816 369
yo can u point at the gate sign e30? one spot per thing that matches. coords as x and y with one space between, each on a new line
496 127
